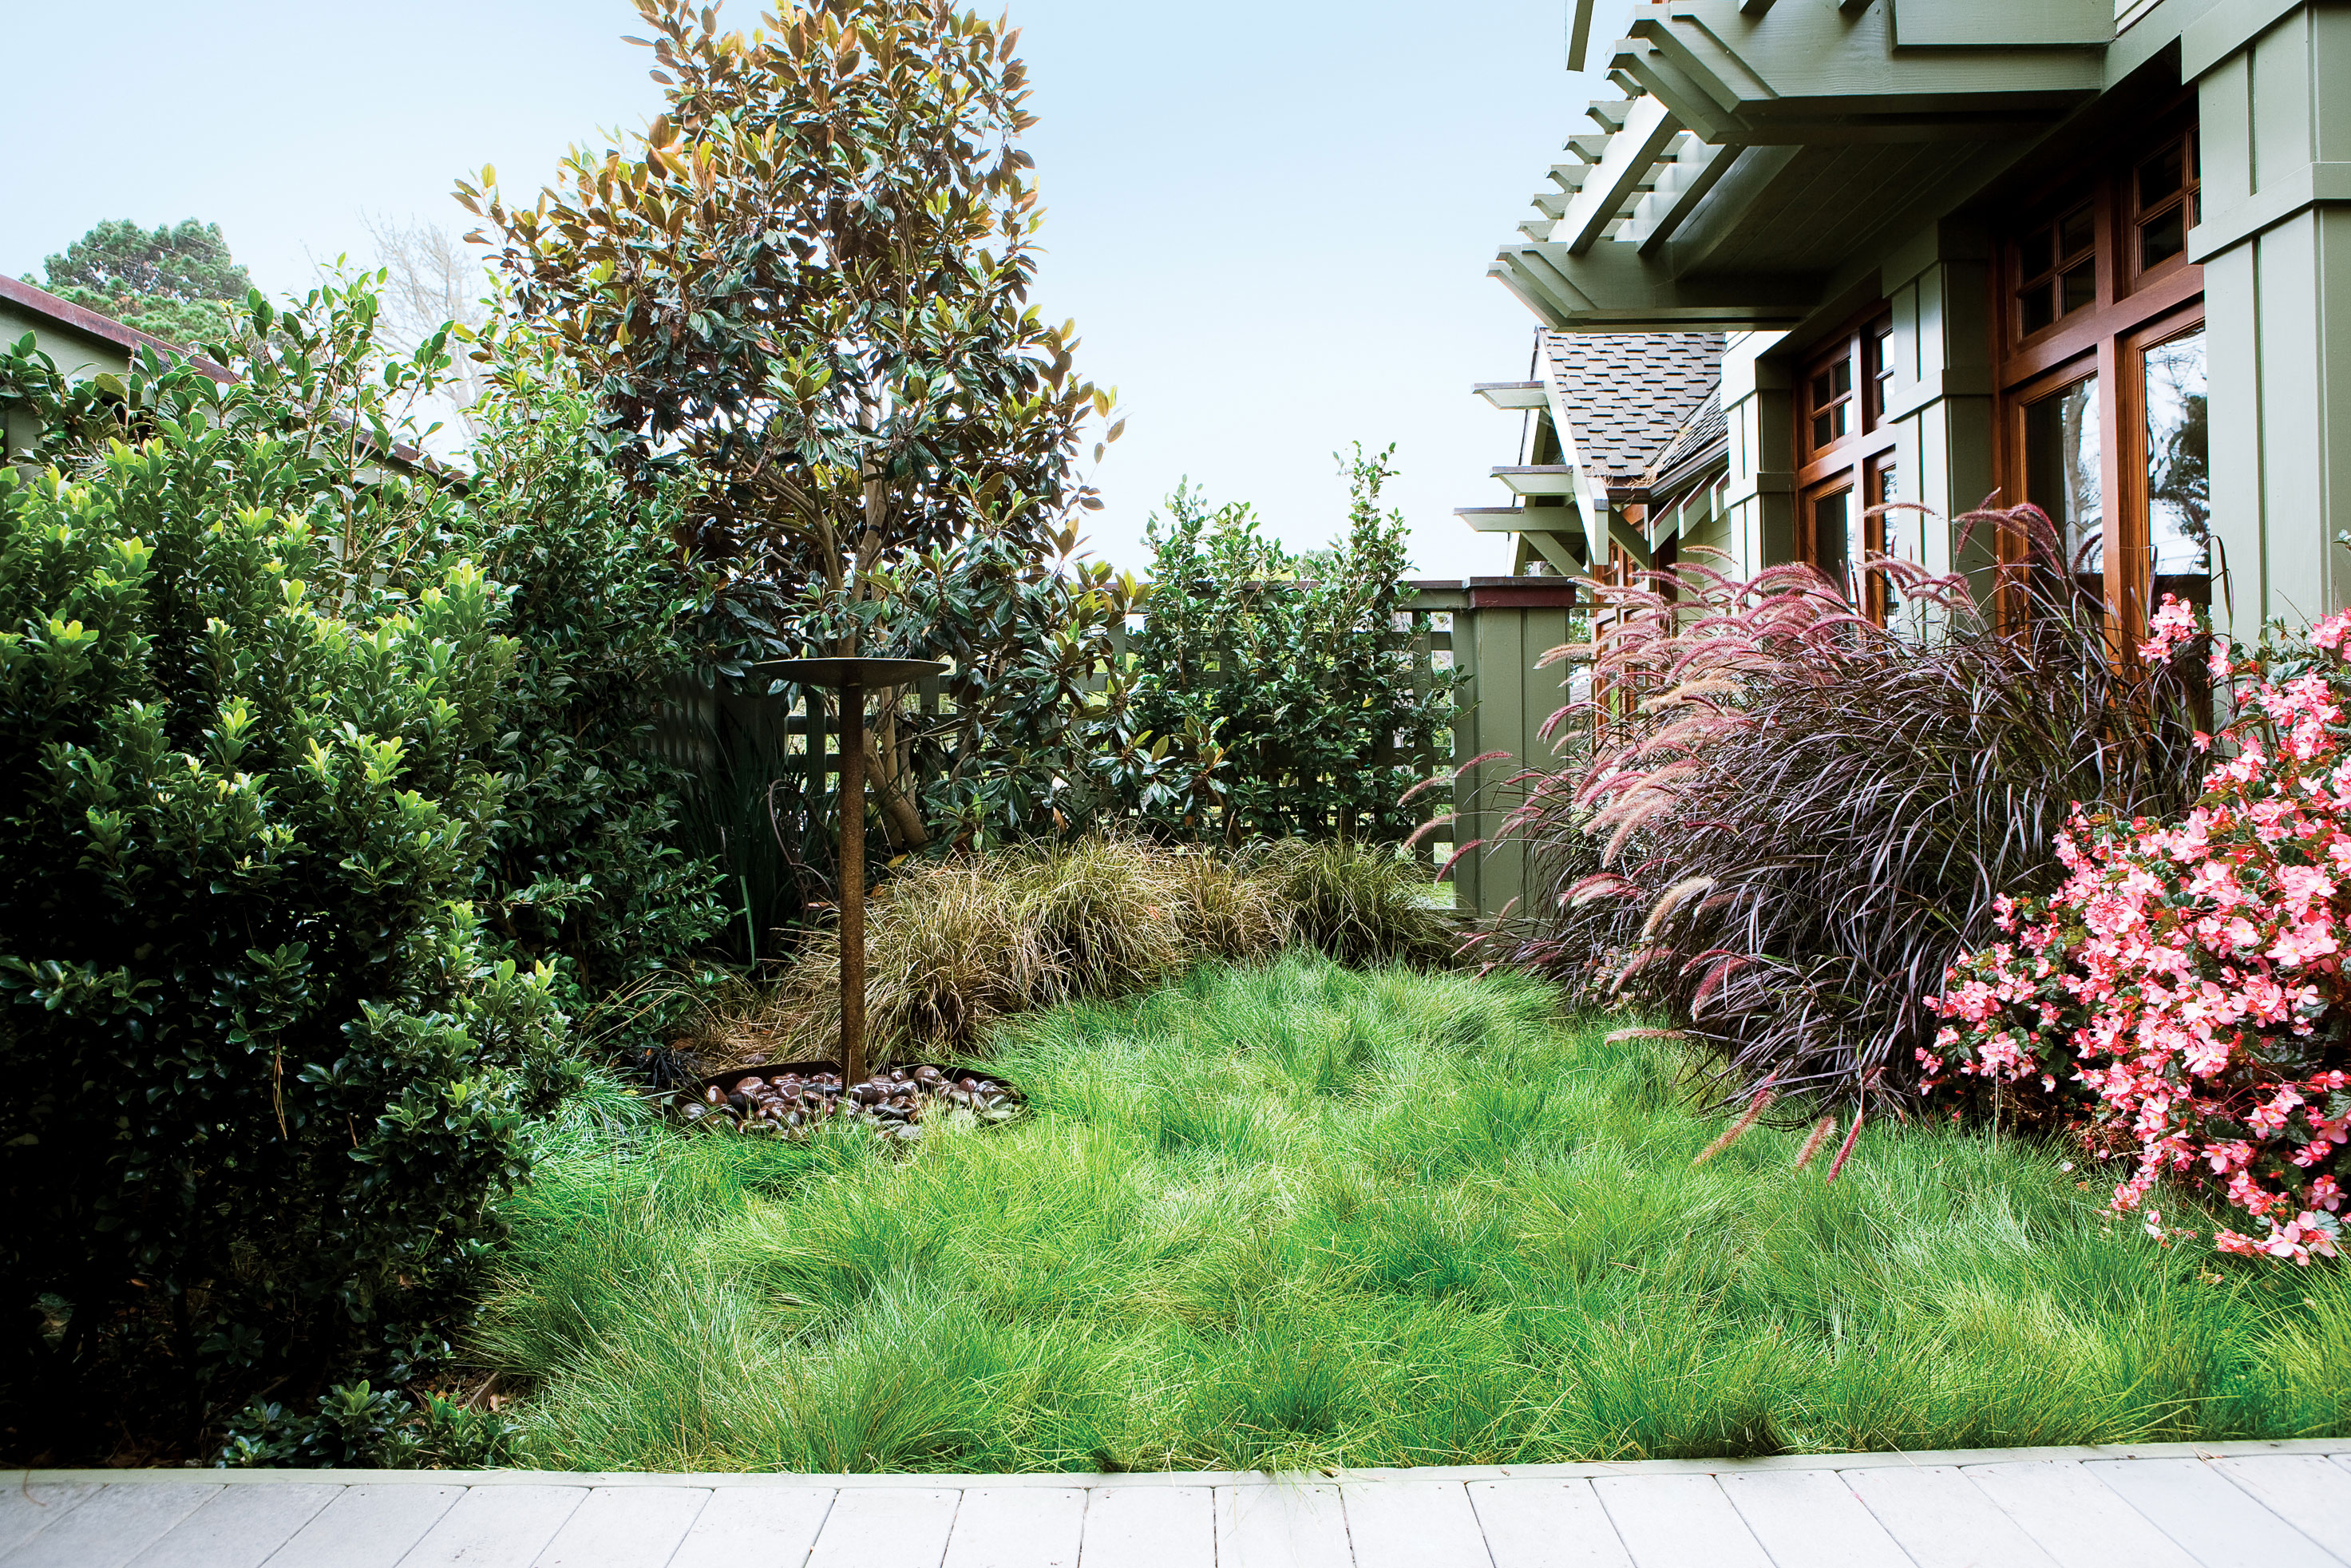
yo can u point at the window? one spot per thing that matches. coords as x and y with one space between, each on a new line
2101 377
2058 267
1847 470
2166 201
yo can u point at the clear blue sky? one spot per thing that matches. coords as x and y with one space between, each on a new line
1271 221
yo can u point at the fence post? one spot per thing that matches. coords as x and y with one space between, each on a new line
1509 623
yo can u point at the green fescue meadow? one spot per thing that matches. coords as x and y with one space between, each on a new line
1305 1216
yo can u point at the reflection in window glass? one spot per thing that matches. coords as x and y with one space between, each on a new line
2061 477
1834 540
2075 231
1895 532
1897 525
2178 486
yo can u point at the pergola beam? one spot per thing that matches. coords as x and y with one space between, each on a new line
1510 394
1579 34
1625 166
1538 478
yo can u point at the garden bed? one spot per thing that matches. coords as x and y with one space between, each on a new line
1307 1215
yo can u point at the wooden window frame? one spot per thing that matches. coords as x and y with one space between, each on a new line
1856 460
2135 308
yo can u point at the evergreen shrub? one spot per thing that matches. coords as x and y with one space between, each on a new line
267 1079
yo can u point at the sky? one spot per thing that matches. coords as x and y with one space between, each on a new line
1271 221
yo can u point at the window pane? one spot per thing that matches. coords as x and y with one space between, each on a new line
2081 288
2037 313
1841 377
2162 239
1828 426
2158 176
2179 489
1898 527
2061 477
2034 257
1895 532
2075 231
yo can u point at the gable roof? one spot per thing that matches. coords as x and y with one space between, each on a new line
42 306
1631 397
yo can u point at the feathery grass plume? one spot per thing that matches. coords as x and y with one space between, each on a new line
1737 1129
1845 1150
1850 798
1618 1036
1818 1136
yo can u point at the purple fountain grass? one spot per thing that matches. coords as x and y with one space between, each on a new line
1774 823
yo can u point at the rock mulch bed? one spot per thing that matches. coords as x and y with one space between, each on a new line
792 1100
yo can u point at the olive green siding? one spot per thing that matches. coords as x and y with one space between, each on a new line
2273 98
76 353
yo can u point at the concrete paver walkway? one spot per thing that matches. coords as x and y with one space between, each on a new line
2227 1505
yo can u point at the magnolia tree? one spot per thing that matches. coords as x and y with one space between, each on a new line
806 285
2190 977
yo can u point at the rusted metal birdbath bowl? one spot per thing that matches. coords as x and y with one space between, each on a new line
852 678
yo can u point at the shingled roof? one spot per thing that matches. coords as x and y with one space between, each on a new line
1632 396
1702 441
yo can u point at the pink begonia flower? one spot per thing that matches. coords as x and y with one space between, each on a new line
2168 627
2311 940
2304 886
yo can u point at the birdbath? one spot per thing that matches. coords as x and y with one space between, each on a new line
852 678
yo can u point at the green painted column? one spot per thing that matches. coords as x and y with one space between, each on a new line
1757 410
2273 100
1940 400
1510 623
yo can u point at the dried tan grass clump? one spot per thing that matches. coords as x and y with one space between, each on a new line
954 945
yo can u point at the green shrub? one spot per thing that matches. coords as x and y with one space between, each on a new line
268 1086
1290 677
587 860
360 1426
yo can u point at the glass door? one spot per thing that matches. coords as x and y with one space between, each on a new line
2178 474
2063 455
1836 544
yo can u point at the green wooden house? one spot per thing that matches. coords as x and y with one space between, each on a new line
2093 254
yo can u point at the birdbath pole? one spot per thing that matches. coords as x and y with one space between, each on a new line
852 678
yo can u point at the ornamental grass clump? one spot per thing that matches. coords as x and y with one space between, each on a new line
2181 998
1359 904
1776 823
954 945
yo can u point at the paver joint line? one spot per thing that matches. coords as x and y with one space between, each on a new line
2211 1505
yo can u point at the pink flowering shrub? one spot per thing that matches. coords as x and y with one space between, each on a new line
2187 981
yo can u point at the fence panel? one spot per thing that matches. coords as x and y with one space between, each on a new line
1491 629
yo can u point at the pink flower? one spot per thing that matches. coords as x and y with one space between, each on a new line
2168 627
